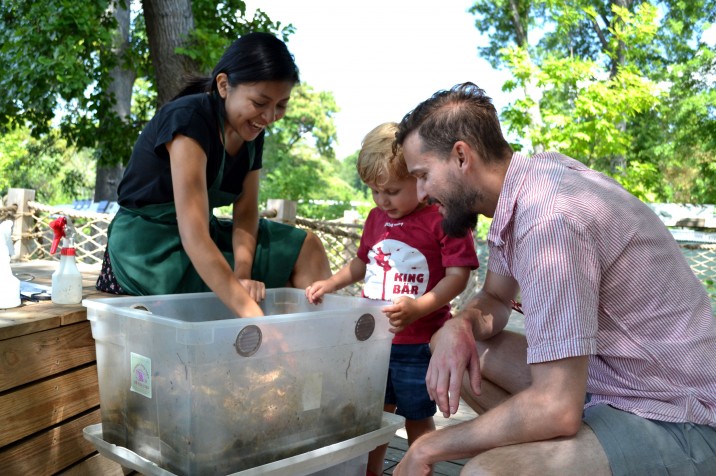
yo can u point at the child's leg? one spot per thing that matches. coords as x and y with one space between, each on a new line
407 391
377 456
417 428
414 428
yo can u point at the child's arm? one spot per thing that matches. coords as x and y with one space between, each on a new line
351 273
405 310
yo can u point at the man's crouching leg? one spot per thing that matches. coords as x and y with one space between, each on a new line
578 455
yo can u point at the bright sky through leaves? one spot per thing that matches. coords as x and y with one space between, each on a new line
380 58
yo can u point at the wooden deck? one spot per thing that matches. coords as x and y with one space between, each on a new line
399 444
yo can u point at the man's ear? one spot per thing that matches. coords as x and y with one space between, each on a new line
463 154
222 84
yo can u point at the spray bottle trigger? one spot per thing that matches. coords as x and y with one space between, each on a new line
58 227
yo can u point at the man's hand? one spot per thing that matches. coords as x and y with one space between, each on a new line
403 312
411 466
454 351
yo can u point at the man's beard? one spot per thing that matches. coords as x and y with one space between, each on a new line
459 211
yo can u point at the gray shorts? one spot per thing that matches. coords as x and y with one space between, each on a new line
639 446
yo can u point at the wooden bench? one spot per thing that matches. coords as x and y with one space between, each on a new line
48 384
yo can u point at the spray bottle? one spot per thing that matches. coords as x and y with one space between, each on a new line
9 284
66 280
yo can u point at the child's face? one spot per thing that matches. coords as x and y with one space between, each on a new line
397 197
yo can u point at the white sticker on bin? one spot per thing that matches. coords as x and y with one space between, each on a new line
312 390
141 375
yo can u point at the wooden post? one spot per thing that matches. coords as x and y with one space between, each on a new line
351 216
23 220
285 210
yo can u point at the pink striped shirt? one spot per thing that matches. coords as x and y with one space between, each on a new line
600 275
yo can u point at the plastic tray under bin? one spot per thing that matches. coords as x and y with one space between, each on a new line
185 384
346 458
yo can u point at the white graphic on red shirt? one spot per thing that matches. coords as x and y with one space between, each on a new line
395 269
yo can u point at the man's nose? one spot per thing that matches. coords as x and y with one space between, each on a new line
422 194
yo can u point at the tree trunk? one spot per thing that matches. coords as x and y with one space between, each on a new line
108 176
168 25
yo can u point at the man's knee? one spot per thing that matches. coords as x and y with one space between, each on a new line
493 462
578 455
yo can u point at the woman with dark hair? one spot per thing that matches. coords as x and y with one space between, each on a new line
204 150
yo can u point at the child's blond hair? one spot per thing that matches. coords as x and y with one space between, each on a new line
377 164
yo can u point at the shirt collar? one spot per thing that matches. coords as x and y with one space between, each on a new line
514 178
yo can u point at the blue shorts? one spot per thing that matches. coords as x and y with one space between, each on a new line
636 445
406 388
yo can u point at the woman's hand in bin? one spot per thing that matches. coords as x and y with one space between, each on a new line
247 308
315 292
403 312
256 289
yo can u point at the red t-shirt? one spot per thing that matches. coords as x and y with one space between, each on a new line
408 256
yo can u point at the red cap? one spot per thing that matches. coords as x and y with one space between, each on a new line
67 251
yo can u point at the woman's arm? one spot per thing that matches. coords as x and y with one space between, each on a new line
245 233
188 167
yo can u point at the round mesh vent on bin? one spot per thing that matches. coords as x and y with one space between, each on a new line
365 327
248 341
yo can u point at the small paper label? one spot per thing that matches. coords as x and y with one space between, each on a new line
312 390
141 375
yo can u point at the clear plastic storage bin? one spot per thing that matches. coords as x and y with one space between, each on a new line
186 385
346 458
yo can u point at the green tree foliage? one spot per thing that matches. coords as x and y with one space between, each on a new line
52 52
299 161
57 172
57 57
220 23
349 173
626 87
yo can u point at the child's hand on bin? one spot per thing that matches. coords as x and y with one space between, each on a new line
403 312
315 292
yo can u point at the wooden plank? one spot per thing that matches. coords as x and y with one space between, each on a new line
18 322
97 465
52 450
41 405
43 354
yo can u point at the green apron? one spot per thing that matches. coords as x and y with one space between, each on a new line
148 258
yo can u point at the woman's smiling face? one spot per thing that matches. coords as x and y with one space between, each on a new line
251 107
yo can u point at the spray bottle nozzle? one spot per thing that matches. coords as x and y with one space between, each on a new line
58 227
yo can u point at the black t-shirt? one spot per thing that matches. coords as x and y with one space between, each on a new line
148 180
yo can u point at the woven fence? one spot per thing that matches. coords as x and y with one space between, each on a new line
341 241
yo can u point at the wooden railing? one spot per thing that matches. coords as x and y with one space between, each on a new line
32 238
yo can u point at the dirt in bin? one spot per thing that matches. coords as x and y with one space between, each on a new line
267 415
261 448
